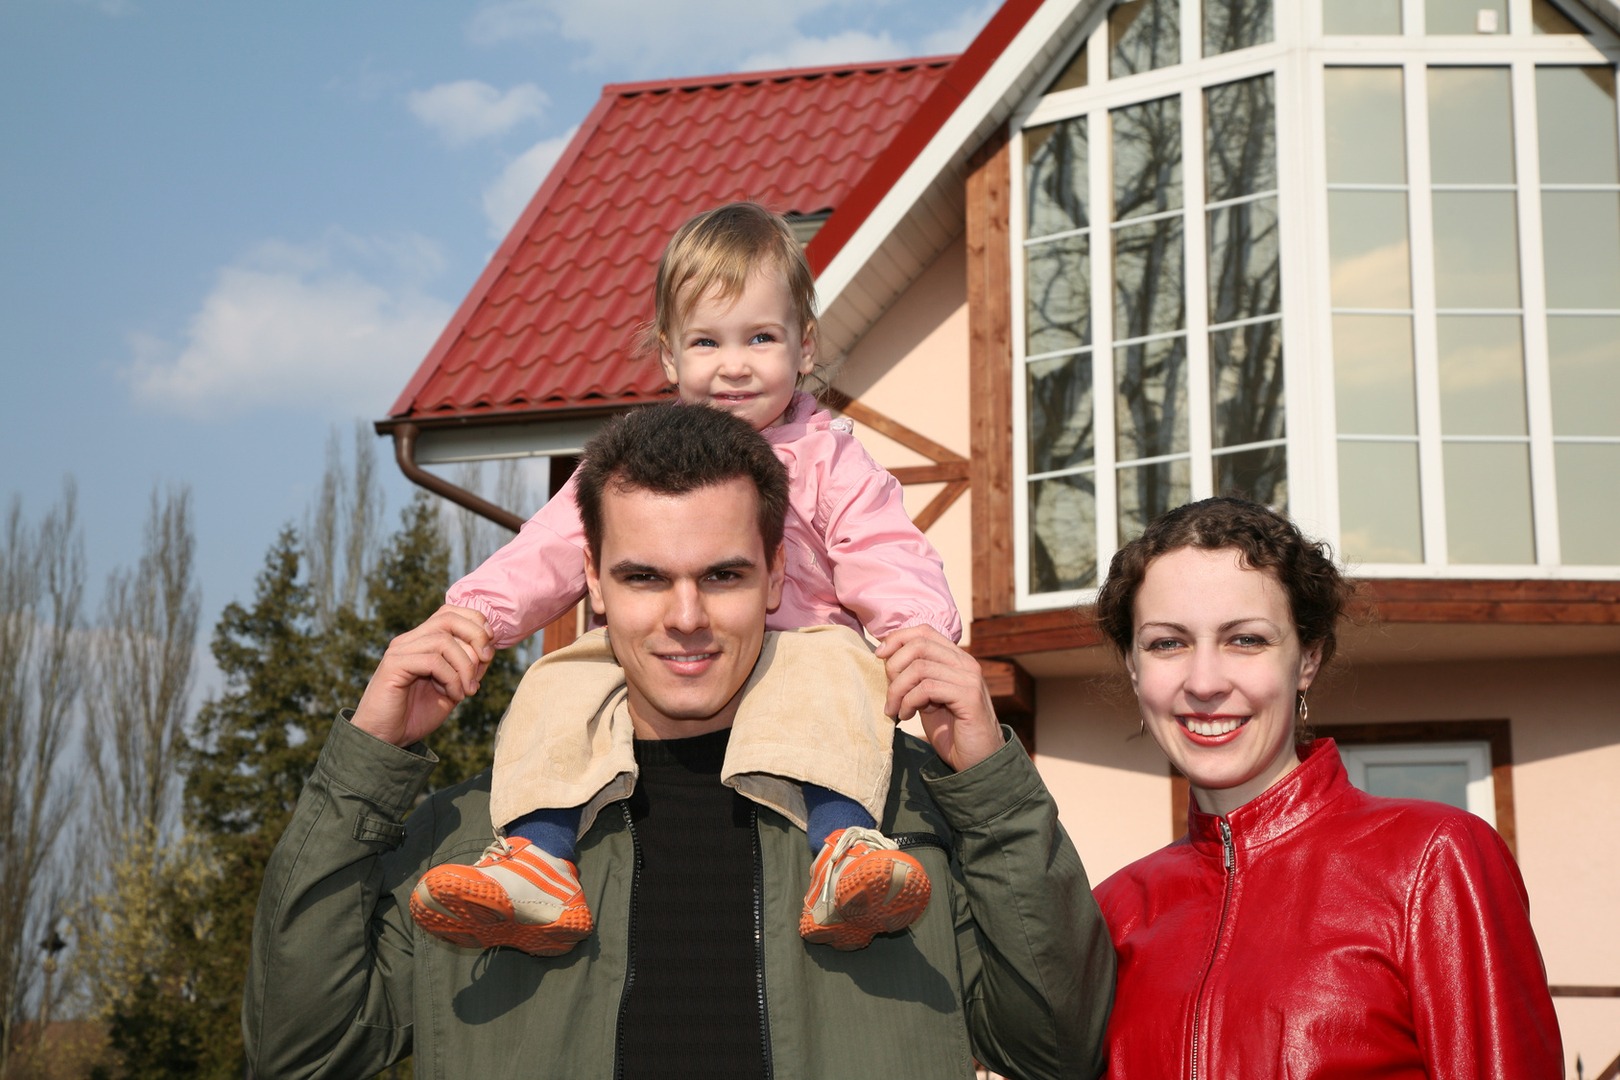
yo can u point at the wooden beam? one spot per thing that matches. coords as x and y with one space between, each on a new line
1456 601
1475 600
1012 692
949 467
989 292
1034 631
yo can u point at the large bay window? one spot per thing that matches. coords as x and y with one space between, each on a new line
1437 182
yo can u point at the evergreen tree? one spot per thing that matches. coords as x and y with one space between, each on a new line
289 667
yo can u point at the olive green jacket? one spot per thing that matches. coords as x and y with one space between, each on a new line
1010 965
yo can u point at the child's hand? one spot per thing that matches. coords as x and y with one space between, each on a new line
424 674
932 678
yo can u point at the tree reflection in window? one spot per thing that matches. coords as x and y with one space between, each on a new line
1245 290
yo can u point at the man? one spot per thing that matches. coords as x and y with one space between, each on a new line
1010 963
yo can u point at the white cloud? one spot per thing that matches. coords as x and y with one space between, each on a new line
957 35
468 110
505 198
333 328
849 47
655 38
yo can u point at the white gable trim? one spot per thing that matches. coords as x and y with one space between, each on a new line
923 210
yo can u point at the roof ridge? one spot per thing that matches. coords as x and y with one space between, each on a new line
698 82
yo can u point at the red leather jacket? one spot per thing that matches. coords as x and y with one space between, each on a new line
1320 932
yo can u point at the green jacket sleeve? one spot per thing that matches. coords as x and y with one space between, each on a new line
1037 961
329 983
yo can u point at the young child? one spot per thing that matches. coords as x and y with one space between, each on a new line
735 329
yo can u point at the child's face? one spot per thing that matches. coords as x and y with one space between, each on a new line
746 356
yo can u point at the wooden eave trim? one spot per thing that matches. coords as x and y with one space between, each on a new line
990 375
1387 600
1478 600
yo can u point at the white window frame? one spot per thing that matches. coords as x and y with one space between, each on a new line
1475 756
1521 53
1187 80
1296 59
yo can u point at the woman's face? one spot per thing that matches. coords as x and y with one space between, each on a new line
1217 664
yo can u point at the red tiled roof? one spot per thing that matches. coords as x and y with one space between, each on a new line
548 325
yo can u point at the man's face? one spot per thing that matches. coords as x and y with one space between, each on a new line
684 582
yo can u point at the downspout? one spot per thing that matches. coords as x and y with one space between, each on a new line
405 454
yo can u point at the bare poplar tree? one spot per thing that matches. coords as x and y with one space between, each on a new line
340 531
41 672
474 537
142 676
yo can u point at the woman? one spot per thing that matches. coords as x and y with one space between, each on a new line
1301 928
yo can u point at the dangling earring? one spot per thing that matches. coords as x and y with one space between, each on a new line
1302 711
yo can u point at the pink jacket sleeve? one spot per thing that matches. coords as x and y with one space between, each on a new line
883 568
537 576
1479 990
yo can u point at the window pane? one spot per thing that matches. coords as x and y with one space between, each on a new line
1575 122
1369 256
1379 518
1476 249
1470 126
1547 19
1235 24
1146 35
1366 126
1466 16
1361 16
1588 503
1148 295
1481 375
1584 354
1057 280
1244 276
1246 379
1147 491
1438 783
1057 172
1373 383
1074 74
1150 403
1061 413
1581 245
1240 139
1261 475
1147 158
1488 503
1062 534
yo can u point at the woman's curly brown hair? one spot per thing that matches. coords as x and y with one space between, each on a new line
1264 539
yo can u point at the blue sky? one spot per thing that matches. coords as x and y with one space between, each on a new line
227 228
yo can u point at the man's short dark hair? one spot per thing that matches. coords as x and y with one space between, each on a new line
674 450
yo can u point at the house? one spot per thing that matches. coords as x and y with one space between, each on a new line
1358 258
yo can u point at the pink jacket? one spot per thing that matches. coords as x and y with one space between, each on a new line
853 556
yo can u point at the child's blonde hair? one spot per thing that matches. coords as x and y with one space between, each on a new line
718 251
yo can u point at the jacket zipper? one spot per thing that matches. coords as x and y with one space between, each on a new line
759 945
630 951
1229 863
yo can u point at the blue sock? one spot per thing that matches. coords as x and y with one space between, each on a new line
827 812
552 831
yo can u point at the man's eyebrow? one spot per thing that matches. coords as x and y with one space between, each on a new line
629 566
740 562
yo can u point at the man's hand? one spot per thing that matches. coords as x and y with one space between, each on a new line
424 674
933 679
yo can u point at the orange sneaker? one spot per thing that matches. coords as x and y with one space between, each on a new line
516 895
860 885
